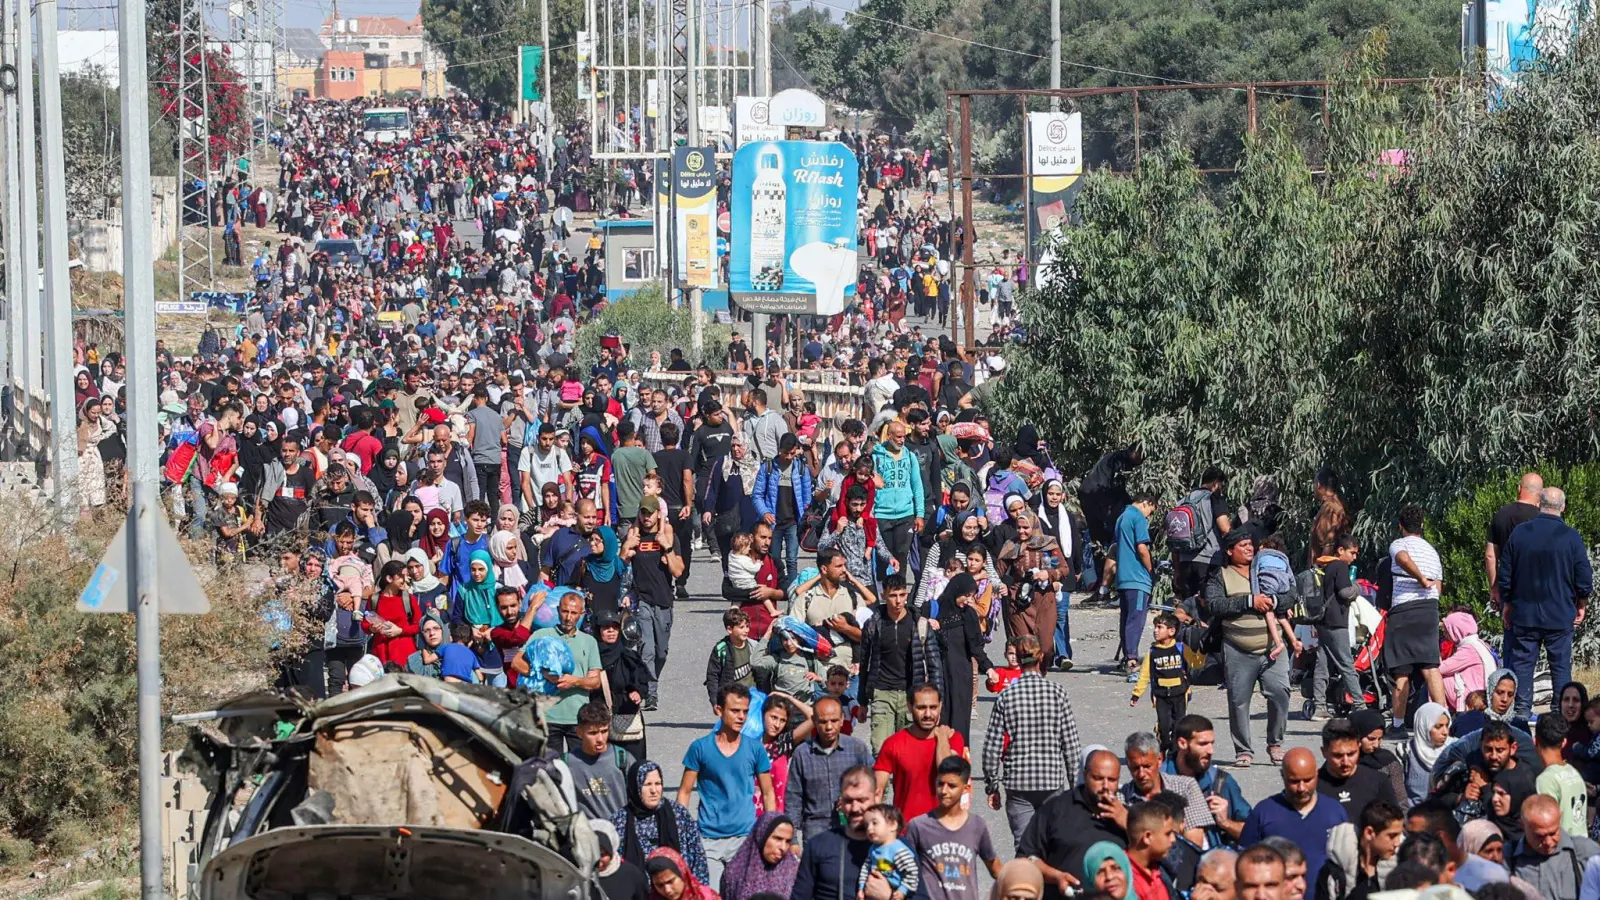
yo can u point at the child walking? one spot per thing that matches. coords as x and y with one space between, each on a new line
1166 672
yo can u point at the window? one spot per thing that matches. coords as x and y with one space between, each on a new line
383 45
639 264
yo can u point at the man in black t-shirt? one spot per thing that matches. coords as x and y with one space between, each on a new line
1506 519
1343 779
657 563
288 499
1334 656
738 354
677 491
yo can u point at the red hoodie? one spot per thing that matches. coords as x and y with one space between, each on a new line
398 649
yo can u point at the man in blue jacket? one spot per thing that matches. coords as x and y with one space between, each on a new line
1545 581
783 489
898 502
831 861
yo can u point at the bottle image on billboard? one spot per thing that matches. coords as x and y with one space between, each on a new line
768 212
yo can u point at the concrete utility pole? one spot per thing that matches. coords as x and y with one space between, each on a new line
1055 53
690 62
32 361
763 75
549 88
57 287
139 328
15 345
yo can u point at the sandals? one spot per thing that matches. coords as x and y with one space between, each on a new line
1243 761
1275 753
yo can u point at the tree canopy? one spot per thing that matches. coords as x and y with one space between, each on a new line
1420 328
480 41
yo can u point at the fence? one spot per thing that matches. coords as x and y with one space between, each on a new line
835 402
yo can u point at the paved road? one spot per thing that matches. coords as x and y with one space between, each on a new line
1099 697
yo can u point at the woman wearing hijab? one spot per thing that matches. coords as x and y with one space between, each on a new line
594 474
627 681
652 820
1368 725
963 641
1509 788
83 388
966 534
1482 855
620 879
670 878
729 507
386 475
600 574
1019 879
1430 732
1106 868
258 448
1029 447
425 586
435 535
505 548
400 535
1465 670
764 863
1033 569
474 600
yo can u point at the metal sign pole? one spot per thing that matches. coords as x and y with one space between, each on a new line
139 301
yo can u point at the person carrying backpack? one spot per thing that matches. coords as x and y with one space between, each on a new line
1334 656
1194 530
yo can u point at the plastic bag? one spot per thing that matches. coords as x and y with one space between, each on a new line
754 724
546 654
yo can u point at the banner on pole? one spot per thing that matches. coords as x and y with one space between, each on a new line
1055 172
694 180
532 66
750 121
793 247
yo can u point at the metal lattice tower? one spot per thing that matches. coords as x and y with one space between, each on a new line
256 36
196 262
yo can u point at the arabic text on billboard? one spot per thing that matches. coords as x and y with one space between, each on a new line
794 227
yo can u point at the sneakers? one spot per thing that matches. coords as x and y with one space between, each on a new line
683 592
1063 664
649 704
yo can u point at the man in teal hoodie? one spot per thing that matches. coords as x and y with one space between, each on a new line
897 504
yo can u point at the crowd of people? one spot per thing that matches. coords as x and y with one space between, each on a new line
407 436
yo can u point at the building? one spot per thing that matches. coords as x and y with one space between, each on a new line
378 56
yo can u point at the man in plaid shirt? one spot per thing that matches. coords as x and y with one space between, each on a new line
1145 780
1035 716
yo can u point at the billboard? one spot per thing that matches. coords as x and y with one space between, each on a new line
694 181
1517 33
794 227
1055 170
750 121
529 72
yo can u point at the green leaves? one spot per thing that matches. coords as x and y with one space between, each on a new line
1419 330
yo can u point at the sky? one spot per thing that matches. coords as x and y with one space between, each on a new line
92 14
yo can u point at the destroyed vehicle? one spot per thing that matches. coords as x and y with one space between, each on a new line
409 788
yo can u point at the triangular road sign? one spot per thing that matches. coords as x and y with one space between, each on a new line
177 588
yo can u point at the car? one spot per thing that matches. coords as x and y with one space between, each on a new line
408 788
340 252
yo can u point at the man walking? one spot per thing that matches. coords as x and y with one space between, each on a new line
900 652
1545 581
783 490
725 766
1135 574
910 756
1298 813
1194 738
1032 740
652 551
816 767
898 501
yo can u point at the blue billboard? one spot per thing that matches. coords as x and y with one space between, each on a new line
794 227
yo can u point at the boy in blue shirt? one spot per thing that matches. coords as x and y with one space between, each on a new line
1135 576
725 765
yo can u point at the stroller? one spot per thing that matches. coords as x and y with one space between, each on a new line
1368 627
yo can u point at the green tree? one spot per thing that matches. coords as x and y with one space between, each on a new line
480 40
1419 329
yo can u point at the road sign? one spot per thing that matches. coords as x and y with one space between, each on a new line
177 590
532 83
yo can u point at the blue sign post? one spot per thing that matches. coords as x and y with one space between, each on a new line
794 227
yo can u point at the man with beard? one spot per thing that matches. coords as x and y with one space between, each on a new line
1194 738
832 859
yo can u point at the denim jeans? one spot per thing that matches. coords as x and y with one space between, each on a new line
1063 628
1334 659
1242 671
1522 655
786 547
1135 602
655 627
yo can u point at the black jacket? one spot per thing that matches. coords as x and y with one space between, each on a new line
927 655
830 865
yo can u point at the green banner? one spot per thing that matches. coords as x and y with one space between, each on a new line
532 69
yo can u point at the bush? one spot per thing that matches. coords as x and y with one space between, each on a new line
68 759
646 322
1460 534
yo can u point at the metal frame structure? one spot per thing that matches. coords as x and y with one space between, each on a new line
958 143
196 255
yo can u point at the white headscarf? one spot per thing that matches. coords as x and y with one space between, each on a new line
427 582
1422 750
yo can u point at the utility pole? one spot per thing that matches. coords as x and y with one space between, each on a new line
549 88
15 345
1055 55
691 61
57 289
31 361
139 328
763 78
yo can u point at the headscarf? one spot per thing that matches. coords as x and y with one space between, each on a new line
958 545
400 530
382 477
1475 833
507 570
1096 856
428 581
748 873
1015 875
430 544
1495 677
1027 446
746 468
593 433
1366 721
1056 520
606 566
477 597
606 833
1421 725
663 858
666 821
945 608
1520 788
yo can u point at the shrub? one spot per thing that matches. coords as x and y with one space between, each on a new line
68 760
646 322
1460 534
